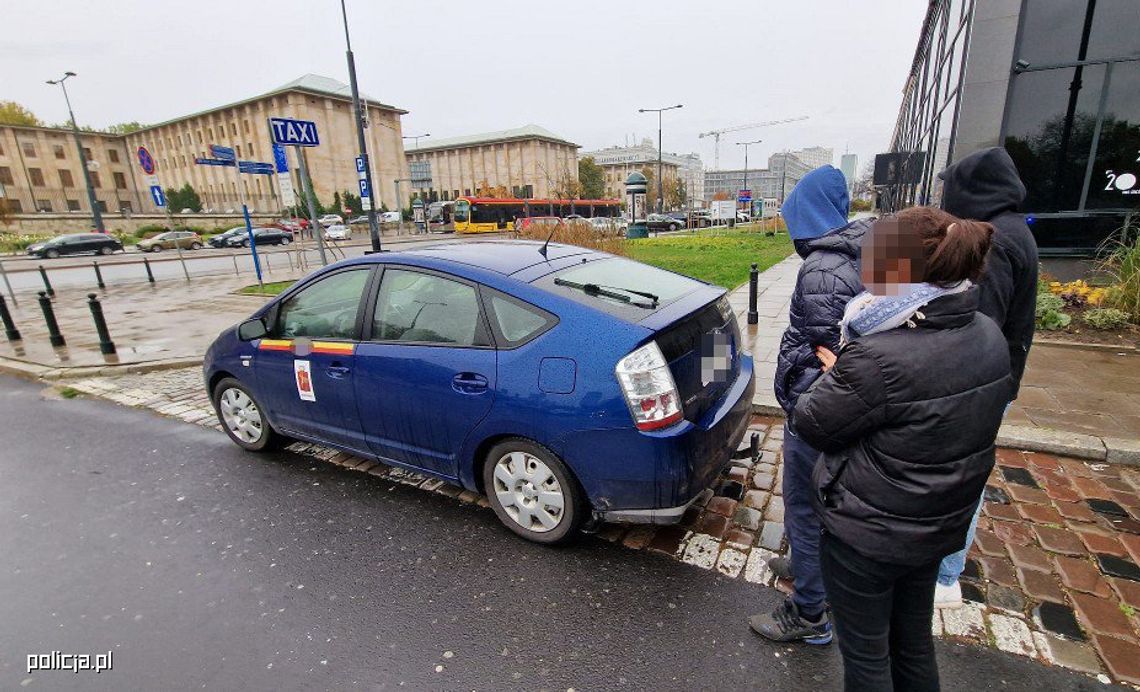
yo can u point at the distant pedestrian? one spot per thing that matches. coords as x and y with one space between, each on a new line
906 417
816 215
985 186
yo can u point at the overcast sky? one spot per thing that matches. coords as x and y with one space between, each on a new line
580 69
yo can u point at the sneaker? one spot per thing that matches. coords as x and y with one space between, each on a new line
784 624
781 567
947 596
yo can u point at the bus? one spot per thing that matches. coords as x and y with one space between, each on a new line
488 215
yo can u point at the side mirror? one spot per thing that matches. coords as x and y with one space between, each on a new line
252 329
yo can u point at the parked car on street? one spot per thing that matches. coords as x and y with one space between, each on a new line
466 362
294 225
534 221
338 232
330 219
357 219
661 222
261 236
171 240
76 244
223 239
389 217
607 225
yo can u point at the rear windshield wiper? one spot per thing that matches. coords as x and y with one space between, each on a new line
609 292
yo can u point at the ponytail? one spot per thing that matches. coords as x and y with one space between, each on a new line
961 253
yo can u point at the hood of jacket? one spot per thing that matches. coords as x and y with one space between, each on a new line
818 204
982 185
845 240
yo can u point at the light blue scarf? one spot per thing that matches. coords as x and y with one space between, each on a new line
870 314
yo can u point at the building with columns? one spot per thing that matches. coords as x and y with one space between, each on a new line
618 162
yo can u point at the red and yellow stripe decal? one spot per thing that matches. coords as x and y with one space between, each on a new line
332 348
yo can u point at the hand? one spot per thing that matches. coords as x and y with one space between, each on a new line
826 357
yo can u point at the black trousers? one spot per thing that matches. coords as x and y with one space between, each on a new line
882 616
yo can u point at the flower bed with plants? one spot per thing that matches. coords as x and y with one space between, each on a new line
1107 314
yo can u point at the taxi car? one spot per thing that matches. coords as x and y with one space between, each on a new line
569 386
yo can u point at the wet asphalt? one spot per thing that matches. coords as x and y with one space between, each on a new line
204 567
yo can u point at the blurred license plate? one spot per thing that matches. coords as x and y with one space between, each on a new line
717 355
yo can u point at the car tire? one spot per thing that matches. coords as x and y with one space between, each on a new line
243 418
510 470
245 243
51 254
195 246
106 250
286 241
156 248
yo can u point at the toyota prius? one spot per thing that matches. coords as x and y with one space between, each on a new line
567 385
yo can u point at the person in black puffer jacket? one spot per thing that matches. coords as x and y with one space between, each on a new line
816 213
906 419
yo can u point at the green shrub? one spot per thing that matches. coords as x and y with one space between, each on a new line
1123 264
1106 318
1049 315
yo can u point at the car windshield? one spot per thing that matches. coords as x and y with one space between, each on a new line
617 275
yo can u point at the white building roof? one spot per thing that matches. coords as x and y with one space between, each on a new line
525 132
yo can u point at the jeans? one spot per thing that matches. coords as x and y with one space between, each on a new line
952 565
801 523
882 616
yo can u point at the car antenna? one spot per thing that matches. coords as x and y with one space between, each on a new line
542 250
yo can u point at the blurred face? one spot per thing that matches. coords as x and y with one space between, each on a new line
891 258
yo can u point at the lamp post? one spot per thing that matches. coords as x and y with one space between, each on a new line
660 182
373 225
745 185
96 215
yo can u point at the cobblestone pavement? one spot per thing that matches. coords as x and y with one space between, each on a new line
1052 574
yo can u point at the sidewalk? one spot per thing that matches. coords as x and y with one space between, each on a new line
1079 401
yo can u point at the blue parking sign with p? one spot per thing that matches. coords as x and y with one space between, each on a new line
364 191
158 195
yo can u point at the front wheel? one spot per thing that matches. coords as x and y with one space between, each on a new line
154 248
106 250
242 417
532 492
51 254
195 246
286 241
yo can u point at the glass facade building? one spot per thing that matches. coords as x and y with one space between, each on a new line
1057 83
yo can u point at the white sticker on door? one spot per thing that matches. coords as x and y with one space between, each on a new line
303 371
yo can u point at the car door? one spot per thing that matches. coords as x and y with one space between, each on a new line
305 368
426 370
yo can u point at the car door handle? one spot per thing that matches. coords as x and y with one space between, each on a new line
337 371
469 383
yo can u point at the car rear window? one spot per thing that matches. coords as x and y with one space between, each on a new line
618 273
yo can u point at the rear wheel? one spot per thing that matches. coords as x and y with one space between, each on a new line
243 418
51 254
154 248
532 492
286 240
195 246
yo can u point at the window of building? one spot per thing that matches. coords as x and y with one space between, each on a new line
233 130
43 205
58 149
245 126
95 179
6 176
65 179
125 206
101 204
1051 30
87 153
73 205
37 177
238 149
29 149
113 155
455 194
14 206
120 181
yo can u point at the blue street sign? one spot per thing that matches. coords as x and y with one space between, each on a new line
146 161
213 162
255 167
364 191
280 159
297 133
223 153
157 195
359 164
744 196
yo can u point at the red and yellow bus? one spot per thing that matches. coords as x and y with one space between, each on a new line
488 215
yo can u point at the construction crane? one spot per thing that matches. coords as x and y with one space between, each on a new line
717 133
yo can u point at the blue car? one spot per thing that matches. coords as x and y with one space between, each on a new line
567 385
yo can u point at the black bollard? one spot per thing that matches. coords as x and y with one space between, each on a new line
9 325
106 346
754 446
49 316
753 277
149 273
47 284
99 275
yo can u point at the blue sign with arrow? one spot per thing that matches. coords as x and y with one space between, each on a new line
158 195
280 159
297 133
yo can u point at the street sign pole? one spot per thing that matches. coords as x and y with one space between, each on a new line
248 221
313 224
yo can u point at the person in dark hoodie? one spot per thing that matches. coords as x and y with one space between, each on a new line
816 214
986 186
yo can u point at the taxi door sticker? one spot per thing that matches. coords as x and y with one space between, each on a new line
303 371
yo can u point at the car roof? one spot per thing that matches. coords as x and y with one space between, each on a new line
501 256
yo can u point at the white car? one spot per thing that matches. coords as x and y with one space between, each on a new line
330 219
389 217
604 224
338 232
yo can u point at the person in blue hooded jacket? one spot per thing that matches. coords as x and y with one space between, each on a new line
816 215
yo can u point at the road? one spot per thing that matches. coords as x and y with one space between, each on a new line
77 270
201 566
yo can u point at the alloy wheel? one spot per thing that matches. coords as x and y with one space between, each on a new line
241 415
529 492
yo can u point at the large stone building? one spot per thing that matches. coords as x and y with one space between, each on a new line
525 162
619 162
39 167
772 183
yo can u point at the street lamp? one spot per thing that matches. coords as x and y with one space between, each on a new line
96 215
745 185
660 185
373 226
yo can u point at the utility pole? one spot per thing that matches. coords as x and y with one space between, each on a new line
745 186
660 182
96 215
373 224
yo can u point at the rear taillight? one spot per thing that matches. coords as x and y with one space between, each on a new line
648 386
